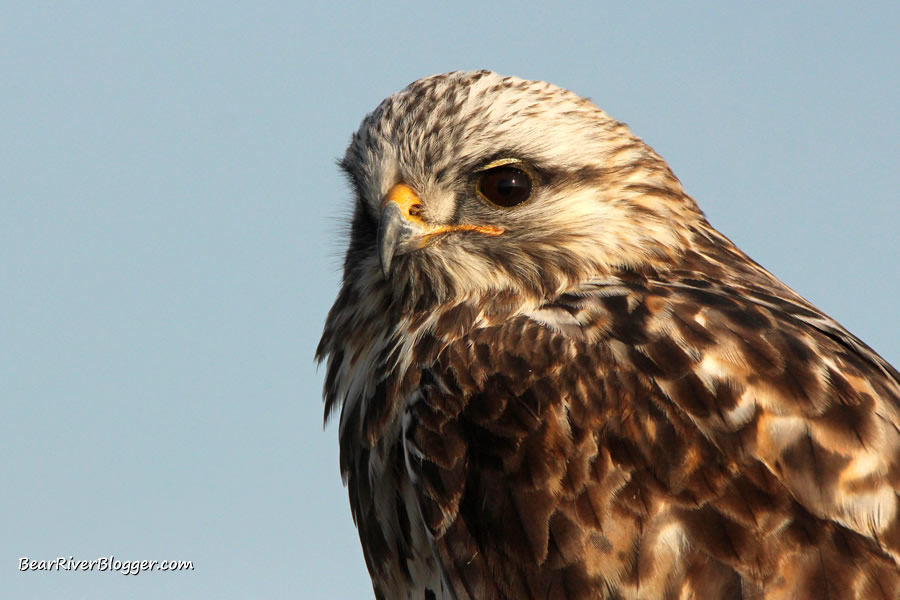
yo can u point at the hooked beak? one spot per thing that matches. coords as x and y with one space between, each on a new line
399 223
401 227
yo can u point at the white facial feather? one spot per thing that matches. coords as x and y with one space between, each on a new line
432 135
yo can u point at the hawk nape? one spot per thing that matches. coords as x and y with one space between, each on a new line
557 380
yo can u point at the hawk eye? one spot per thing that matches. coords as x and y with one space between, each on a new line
505 186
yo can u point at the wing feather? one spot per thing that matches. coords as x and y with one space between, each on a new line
660 440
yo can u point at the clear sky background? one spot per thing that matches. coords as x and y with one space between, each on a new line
170 239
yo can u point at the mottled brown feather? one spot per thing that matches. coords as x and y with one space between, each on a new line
546 498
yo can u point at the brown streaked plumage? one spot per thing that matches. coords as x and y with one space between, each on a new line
569 385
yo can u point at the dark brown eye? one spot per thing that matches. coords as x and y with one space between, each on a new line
505 186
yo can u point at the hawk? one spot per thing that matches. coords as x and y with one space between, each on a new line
556 380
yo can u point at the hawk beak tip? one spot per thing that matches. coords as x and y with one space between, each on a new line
385 266
389 232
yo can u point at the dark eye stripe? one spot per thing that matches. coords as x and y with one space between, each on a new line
505 186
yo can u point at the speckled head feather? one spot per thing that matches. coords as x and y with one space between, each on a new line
557 380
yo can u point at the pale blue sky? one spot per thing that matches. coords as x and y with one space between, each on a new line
170 239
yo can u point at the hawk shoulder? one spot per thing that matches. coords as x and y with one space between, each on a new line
660 439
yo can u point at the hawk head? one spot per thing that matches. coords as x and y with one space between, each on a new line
469 184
